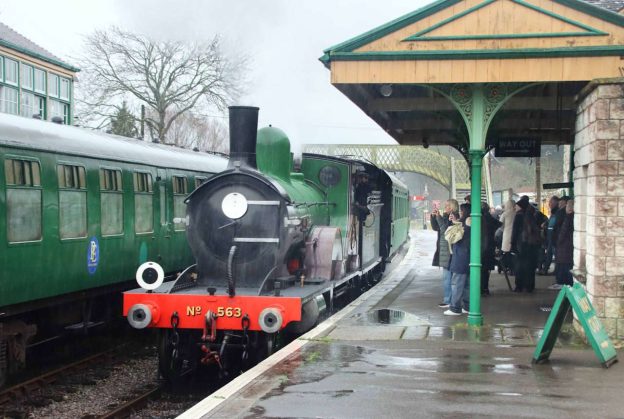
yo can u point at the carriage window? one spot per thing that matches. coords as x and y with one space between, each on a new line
71 177
23 200
180 190
199 180
111 202
143 203
142 182
72 201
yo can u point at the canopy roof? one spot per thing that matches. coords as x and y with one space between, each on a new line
397 73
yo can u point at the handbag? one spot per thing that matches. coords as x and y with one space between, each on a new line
453 234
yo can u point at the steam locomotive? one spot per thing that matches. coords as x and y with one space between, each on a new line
275 244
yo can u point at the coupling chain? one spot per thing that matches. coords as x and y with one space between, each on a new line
245 322
175 336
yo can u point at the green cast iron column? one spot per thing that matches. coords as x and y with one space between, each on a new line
476 164
477 104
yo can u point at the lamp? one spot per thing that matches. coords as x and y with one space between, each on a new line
385 90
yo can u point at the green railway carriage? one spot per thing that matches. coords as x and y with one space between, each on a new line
400 225
79 211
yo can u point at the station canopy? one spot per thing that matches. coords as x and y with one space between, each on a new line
416 75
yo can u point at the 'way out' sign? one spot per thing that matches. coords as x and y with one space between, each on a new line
575 297
518 147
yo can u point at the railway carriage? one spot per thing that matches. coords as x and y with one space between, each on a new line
274 245
79 211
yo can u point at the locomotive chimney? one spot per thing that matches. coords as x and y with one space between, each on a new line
243 133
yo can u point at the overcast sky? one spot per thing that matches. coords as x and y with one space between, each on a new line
284 39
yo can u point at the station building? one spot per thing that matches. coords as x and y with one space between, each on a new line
468 73
34 82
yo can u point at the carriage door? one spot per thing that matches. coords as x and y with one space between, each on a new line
165 227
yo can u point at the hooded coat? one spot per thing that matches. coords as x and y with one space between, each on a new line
565 245
489 225
507 218
442 255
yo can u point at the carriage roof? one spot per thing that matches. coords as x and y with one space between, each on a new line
24 133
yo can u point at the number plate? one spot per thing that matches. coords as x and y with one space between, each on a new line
229 312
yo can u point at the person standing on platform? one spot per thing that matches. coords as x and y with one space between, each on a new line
542 222
550 243
507 218
525 242
458 235
442 255
565 248
489 225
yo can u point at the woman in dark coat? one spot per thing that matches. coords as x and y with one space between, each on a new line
525 243
565 247
489 225
459 266
442 256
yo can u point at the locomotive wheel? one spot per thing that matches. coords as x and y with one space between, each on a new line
270 344
172 364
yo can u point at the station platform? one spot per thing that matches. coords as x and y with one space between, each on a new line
423 363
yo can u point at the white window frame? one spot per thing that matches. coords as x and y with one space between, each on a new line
27 74
17 71
45 78
53 82
61 81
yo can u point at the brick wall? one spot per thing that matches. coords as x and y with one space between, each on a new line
599 200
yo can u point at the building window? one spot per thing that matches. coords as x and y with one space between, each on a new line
32 105
59 109
23 178
111 197
64 90
72 202
53 85
1 69
27 76
40 81
8 100
10 71
180 190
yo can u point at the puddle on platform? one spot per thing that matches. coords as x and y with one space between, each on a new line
394 317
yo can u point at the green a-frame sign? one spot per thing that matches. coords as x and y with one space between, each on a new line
575 297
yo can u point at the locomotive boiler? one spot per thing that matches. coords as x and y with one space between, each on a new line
274 245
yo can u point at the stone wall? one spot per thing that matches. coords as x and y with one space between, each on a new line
599 199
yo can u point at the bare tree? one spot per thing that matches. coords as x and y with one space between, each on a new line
170 78
196 131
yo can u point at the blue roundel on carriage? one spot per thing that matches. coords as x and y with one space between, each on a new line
93 255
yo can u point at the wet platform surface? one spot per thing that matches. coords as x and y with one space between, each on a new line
394 354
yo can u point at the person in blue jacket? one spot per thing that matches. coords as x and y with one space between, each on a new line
459 267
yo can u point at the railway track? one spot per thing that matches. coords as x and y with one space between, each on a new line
126 409
25 389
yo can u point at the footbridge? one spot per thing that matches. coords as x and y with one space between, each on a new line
451 172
